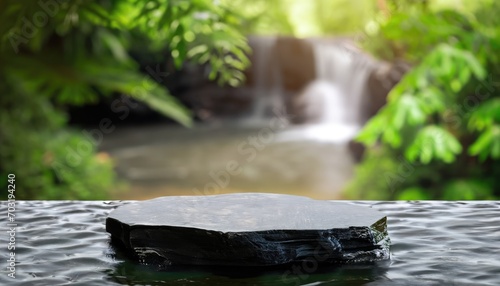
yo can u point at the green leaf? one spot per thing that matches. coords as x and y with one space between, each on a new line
488 144
407 111
392 136
455 85
115 45
160 100
400 88
447 67
433 142
373 129
464 75
473 63
121 79
197 51
431 100
464 56
413 194
485 115
96 13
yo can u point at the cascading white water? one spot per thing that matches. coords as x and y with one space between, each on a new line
331 105
333 102
267 89
339 68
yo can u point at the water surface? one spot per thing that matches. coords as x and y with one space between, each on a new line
433 243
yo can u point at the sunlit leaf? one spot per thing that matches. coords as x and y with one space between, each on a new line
407 111
465 56
433 142
114 45
488 144
124 80
477 69
455 85
413 194
372 130
485 115
392 136
464 75
431 100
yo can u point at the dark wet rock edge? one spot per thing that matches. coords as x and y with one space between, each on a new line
166 245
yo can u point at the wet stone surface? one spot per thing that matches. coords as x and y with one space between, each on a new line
248 229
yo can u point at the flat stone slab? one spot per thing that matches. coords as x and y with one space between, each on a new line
248 229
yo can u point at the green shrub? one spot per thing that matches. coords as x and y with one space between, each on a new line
443 117
35 147
77 52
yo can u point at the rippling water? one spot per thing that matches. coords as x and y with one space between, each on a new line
433 243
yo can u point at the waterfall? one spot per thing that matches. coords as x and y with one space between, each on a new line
331 106
267 88
333 103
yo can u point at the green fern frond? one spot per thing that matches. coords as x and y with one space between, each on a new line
485 115
487 144
433 142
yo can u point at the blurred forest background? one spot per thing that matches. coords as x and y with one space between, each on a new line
437 135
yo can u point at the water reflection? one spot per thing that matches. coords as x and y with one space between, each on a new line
128 272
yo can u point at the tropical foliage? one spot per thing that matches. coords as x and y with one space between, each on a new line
59 53
438 137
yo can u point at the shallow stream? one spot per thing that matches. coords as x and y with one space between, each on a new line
159 160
